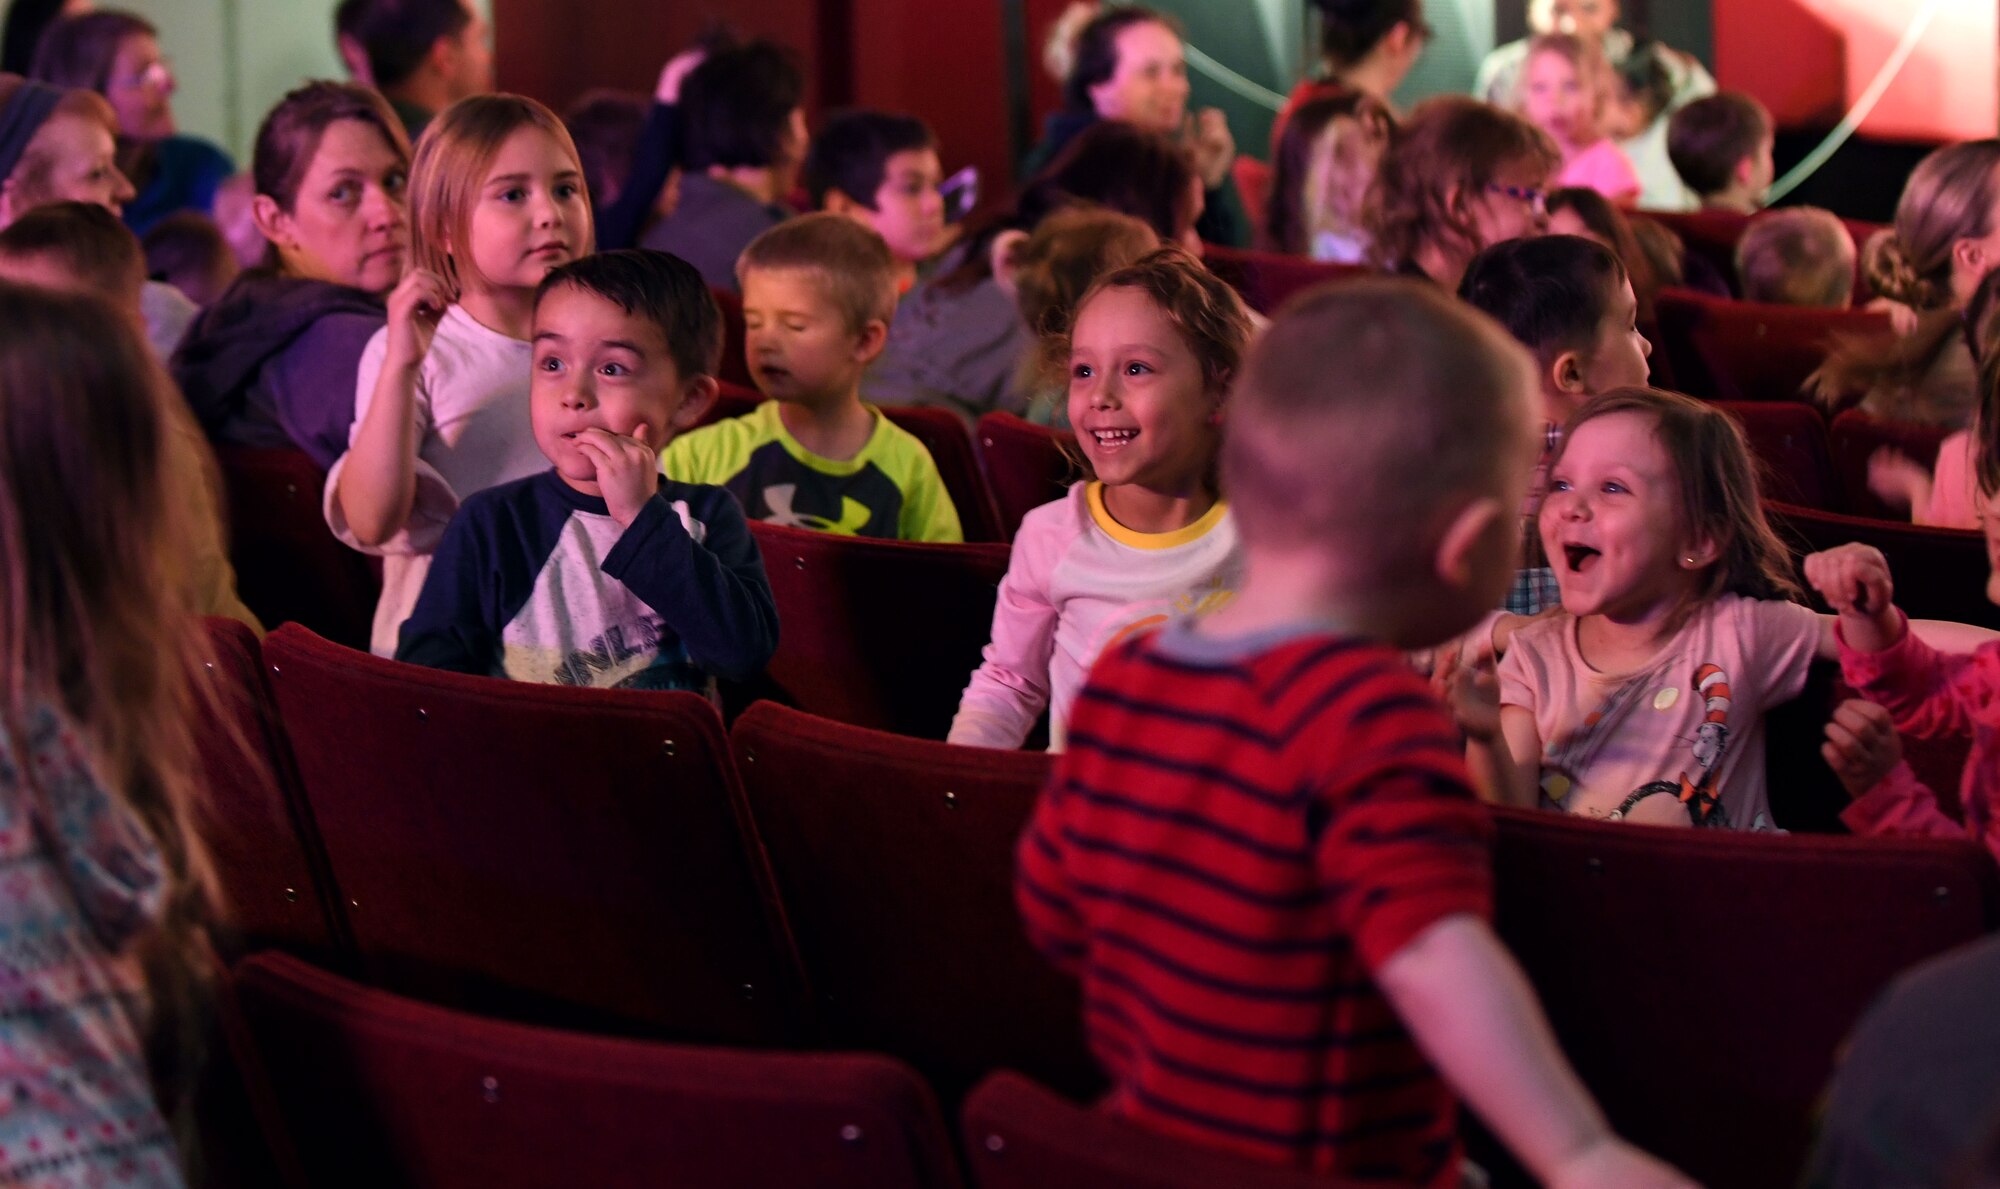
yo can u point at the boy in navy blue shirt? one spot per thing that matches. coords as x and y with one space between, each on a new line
600 571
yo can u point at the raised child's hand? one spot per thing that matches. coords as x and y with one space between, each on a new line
1208 140
1861 745
628 470
678 67
1614 1164
415 305
1854 580
1898 480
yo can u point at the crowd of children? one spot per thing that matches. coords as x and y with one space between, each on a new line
1329 576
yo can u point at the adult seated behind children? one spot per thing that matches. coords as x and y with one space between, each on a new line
1721 147
818 293
1500 72
1268 793
882 170
743 139
599 571
1799 256
422 55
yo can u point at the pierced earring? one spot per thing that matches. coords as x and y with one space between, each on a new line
1690 559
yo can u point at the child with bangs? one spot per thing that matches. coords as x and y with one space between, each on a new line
1564 89
497 202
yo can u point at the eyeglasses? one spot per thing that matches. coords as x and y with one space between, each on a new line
1537 199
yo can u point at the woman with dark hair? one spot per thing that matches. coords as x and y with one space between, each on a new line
1128 65
117 55
273 362
958 339
1364 45
23 31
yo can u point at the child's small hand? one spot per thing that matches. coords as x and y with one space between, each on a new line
415 306
1861 745
1898 480
1465 682
628 470
678 67
1209 141
1854 580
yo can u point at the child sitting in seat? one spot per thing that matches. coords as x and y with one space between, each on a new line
1048 273
1148 538
1564 88
1721 147
1261 855
598 571
818 293
882 171
1798 256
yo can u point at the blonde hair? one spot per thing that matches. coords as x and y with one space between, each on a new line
1439 162
852 263
1800 256
1585 57
452 157
31 173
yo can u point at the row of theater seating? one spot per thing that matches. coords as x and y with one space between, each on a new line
614 862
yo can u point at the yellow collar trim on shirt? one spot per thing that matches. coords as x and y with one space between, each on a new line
1093 496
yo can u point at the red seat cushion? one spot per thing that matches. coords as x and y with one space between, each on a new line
1025 466
1734 350
1266 279
1788 440
289 566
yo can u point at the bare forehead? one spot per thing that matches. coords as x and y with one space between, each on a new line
1148 42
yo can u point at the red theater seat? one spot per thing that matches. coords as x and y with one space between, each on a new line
271 873
1788 440
289 566
1854 438
570 856
1019 1135
1702 982
895 860
881 634
1025 466
944 434
1735 350
1713 236
1266 279
734 368
1940 572
368 1088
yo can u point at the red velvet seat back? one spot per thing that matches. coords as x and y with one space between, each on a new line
734 369
1854 437
1735 350
1025 466
1266 279
1788 440
1702 982
271 872
1019 1135
539 852
945 435
369 1088
1940 572
881 634
895 858
1713 236
289 566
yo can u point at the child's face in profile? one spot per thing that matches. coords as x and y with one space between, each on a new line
1611 522
1557 98
1137 400
796 339
597 367
531 215
1617 355
909 210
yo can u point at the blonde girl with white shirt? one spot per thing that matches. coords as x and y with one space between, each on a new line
497 201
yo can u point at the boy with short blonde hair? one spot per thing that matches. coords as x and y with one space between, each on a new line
1261 853
1798 256
818 294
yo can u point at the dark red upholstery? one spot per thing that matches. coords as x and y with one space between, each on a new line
1855 436
734 369
881 634
271 873
1713 236
1940 572
1025 466
1253 185
895 858
374 1089
944 434
1788 439
1737 350
1266 279
289 566
534 851
1702 982
1019 1135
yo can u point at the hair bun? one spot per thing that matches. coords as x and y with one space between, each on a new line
1894 277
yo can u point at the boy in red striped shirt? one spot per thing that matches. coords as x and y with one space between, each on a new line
1261 853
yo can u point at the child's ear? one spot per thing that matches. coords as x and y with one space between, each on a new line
1458 560
1566 373
869 343
697 398
1699 554
838 203
1004 256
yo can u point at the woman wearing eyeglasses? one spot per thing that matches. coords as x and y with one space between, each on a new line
117 55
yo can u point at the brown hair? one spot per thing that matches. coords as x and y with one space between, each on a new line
1719 494
854 267
31 175
77 51
1615 231
288 139
1428 386
456 150
1799 256
1210 318
1709 138
87 242
1057 265
1094 54
1440 161
1303 181
1982 329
